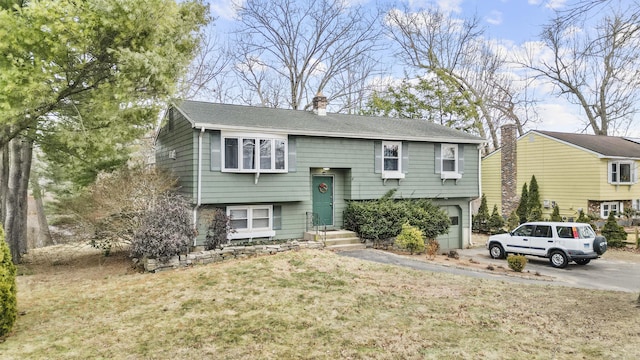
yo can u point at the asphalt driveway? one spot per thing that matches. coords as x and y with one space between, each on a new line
602 274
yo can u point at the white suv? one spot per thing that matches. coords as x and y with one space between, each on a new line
561 242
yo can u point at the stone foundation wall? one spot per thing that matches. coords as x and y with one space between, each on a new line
226 253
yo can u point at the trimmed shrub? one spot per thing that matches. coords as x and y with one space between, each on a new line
165 230
615 234
517 262
383 219
218 230
8 289
410 238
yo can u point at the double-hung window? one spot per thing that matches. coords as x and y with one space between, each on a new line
251 221
392 160
608 207
449 162
254 153
622 172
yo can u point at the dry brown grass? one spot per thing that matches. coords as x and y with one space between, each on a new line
305 305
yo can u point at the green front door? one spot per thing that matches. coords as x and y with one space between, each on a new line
323 200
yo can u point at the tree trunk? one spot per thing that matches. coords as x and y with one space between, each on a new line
16 166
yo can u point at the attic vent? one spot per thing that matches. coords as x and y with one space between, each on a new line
172 154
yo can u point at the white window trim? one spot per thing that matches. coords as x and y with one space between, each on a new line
632 169
395 174
250 232
449 174
256 137
618 205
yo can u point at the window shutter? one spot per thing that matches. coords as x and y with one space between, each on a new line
293 156
438 161
461 158
377 158
634 172
609 173
216 147
405 157
277 217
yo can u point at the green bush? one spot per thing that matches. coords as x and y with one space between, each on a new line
496 222
8 299
513 221
555 215
516 262
615 234
410 238
383 219
166 230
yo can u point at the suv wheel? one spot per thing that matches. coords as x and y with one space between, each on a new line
583 261
558 259
496 251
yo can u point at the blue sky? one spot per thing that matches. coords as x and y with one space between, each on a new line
513 23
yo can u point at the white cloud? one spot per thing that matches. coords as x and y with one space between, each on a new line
224 9
494 18
448 6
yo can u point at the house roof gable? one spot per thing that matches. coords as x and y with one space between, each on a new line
605 146
296 122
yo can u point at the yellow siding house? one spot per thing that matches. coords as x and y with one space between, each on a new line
592 173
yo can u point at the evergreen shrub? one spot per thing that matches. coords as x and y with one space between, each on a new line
615 234
383 219
8 289
411 239
517 262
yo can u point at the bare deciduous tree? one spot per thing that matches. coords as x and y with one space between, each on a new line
287 51
593 64
456 51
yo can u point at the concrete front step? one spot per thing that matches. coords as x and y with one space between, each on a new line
337 240
329 234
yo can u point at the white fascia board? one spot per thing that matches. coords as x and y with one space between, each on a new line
335 135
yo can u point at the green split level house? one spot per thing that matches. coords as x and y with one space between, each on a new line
280 173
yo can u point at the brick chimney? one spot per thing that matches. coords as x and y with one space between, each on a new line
509 172
320 104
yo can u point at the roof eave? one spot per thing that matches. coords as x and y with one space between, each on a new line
208 126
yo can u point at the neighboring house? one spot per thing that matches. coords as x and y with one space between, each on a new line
277 173
593 173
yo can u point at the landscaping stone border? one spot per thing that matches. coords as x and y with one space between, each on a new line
226 253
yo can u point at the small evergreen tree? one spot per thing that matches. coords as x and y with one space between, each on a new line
480 221
555 215
534 206
615 234
513 221
8 289
522 211
583 218
496 222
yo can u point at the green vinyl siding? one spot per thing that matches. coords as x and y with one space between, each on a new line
183 140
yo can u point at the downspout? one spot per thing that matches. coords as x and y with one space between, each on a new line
479 194
199 185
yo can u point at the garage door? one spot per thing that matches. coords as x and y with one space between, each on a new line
452 240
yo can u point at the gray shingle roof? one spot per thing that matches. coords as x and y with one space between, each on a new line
297 122
608 146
